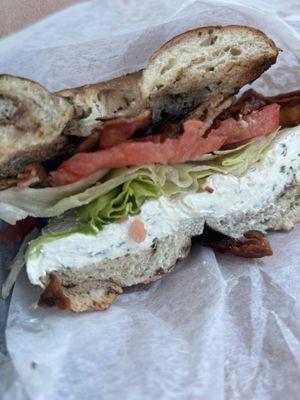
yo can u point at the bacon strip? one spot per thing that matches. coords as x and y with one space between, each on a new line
120 129
53 295
34 174
16 233
289 108
210 110
91 141
248 102
255 244
155 150
114 132
206 112
6 183
161 149
252 100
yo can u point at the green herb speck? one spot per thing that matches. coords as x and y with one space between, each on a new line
283 149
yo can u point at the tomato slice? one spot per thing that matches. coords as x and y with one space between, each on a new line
258 123
164 150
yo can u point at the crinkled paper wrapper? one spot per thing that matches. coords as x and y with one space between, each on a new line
217 327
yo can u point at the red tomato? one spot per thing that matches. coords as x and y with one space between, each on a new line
258 123
163 150
137 231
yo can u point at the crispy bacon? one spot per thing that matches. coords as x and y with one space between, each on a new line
205 112
210 110
87 145
155 149
16 233
53 295
290 116
6 183
289 108
34 174
120 129
248 102
114 132
290 99
194 142
252 101
255 244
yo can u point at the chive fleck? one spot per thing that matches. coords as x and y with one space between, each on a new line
154 243
283 149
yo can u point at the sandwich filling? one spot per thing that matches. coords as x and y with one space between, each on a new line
128 157
132 166
221 194
195 139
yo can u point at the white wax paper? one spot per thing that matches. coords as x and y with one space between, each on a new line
217 327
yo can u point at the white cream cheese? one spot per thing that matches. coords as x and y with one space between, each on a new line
258 187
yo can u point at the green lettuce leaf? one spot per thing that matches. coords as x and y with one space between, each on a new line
109 194
122 192
19 203
125 190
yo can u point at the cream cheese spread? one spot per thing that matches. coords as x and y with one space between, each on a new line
227 195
